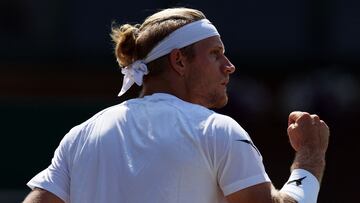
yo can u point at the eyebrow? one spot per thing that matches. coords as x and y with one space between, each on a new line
219 48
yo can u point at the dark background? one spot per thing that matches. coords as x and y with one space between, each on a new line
57 69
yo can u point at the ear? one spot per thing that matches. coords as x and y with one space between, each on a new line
176 59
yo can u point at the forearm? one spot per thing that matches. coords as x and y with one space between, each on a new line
314 162
306 174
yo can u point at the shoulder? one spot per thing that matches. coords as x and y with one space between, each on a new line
224 124
221 131
92 124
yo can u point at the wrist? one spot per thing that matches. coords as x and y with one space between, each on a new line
302 186
310 160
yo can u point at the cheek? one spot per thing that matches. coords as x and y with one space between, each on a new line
204 75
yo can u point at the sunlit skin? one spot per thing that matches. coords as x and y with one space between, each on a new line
208 74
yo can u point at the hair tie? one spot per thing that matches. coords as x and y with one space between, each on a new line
133 73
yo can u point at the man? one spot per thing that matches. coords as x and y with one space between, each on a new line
167 146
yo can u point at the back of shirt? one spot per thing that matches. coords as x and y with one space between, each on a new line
156 149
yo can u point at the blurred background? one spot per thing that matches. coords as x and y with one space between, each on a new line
57 69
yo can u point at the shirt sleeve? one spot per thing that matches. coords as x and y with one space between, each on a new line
56 178
238 161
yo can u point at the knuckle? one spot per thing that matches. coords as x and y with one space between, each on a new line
323 123
305 117
295 113
315 116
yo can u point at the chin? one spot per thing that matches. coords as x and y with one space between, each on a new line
221 102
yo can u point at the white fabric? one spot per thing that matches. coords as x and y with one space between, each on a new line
156 149
305 190
133 74
182 37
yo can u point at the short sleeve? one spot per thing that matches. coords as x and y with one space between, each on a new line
239 163
56 178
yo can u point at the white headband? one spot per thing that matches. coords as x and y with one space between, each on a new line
182 37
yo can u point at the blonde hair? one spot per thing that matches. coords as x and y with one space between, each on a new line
134 42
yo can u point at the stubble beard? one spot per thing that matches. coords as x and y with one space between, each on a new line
217 100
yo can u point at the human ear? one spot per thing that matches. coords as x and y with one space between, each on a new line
177 61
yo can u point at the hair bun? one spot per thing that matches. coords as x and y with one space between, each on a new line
125 42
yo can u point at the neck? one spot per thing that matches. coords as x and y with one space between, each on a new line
165 84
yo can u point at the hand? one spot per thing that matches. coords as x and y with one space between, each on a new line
307 132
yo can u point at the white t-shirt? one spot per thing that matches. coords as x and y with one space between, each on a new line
156 149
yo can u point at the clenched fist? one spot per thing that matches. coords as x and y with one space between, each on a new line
307 132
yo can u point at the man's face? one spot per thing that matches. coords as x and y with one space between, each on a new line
208 73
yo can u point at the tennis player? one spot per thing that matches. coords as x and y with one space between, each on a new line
167 145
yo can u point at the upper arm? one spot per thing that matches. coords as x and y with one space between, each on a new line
42 196
260 193
238 162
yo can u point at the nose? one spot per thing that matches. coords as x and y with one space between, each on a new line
229 68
